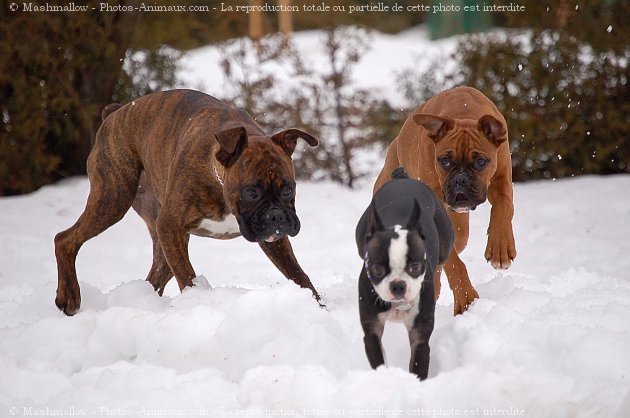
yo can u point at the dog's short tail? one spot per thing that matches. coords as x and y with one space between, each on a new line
109 109
400 173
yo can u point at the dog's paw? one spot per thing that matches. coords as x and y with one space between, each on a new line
319 299
501 250
463 299
68 302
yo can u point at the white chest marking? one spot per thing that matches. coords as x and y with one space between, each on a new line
227 226
404 312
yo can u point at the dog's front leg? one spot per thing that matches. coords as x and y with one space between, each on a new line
373 332
370 308
463 291
421 330
174 241
281 255
374 348
420 354
501 249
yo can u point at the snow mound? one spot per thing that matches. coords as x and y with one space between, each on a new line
548 338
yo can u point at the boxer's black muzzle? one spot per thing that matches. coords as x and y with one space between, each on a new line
463 191
269 224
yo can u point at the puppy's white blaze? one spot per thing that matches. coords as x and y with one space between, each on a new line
398 249
226 226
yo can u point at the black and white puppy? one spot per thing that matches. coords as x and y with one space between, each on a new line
402 237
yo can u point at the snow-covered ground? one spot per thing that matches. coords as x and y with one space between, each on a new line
548 338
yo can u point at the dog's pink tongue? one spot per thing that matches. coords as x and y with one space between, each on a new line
274 237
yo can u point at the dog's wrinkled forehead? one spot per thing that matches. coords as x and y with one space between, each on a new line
270 167
464 142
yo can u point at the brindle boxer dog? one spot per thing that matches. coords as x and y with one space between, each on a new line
188 164
457 144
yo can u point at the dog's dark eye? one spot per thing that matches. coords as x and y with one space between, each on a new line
251 194
378 271
445 161
287 192
480 163
415 269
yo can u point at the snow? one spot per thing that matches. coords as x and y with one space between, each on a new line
549 337
383 59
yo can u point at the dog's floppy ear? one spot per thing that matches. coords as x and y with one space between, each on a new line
492 129
437 126
232 142
287 139
374 222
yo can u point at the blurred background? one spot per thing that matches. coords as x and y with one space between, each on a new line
558 71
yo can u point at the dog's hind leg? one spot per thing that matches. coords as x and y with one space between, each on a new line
148 207
160 273
113 183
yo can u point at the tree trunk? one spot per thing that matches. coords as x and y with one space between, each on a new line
285 19
256 21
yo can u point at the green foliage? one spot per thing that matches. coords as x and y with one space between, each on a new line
146 71
57 73
567 105
588 22
188 29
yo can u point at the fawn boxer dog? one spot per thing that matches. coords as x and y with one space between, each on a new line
403 236
457 143
188 164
